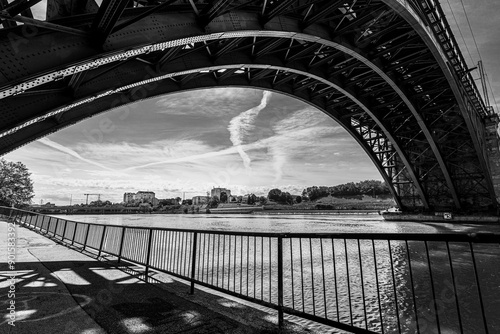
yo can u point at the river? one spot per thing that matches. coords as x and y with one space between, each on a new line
282 223
335 278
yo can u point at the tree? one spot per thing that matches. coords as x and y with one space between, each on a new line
16 186
263 200
214 202
178 199
286 198
251 199
223 197
274 195
298 199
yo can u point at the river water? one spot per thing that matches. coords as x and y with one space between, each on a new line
282 223
384 286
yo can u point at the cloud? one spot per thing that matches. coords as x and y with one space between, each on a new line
64 149
216 102
240 126
303 136
190 158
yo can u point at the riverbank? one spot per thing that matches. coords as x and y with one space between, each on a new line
315 212
330 204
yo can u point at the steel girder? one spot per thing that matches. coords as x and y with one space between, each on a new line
371 65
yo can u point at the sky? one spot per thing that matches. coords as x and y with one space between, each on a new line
248 140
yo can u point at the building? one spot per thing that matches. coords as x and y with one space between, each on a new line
198 200
218 191
140 196
145 196
128 197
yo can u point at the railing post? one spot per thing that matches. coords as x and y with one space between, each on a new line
74 234
121 244
57 225
48 226
102 241
193 262
280 282
34 224
15 217
86 236
64 230
148 253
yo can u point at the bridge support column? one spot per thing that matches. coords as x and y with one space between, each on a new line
493 151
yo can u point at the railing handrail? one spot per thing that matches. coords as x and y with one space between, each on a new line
483 237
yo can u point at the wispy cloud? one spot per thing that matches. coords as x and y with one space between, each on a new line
217 102
301 136
241 125
46 141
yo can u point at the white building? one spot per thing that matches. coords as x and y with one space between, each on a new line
145 196
197 200
218 191
140 196
128 197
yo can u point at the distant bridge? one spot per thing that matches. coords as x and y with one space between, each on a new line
390 72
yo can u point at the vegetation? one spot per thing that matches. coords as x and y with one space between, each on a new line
368 187
214 202
280 197
16 186
251 199
223 197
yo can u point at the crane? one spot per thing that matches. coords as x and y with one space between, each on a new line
87 200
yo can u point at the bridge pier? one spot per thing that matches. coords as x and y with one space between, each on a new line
493 152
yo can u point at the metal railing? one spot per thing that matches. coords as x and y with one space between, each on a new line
361 283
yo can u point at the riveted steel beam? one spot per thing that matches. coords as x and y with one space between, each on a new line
108 15
43 24
213 10
143 15
19 6
325 10
277 9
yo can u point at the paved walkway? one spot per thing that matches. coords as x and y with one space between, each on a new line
60 290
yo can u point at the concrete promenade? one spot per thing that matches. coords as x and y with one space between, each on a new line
62 290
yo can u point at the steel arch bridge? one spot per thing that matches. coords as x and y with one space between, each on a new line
389 71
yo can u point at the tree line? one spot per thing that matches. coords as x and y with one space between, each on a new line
367 187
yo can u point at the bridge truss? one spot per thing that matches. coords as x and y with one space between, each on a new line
389 71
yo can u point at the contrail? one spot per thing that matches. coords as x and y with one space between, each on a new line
227 151
279 160
241 125
69 151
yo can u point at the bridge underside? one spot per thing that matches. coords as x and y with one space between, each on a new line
373 66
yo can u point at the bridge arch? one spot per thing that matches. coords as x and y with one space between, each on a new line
403 106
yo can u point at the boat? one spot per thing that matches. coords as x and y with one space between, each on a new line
444 217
